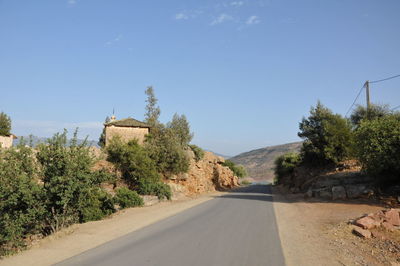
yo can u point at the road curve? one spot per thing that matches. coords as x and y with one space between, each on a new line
238 228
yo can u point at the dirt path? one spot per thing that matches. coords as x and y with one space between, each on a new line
307 229
81 237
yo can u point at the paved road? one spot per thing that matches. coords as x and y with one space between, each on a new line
238 228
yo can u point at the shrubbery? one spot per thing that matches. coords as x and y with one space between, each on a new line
238 170
378 147
159 189
327 137
5 124
285 165
126 198
198 152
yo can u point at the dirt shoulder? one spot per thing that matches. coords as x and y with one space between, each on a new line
81 237
315 232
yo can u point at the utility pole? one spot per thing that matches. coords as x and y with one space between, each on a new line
367 93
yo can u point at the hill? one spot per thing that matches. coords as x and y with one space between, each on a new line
259 163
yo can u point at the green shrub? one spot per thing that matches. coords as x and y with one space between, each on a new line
198 152
327 137
378 147
238 170
167 152
159 189
285 165
245 182
181 129
95 205
5 124
373 112
21 199
127 198
133 161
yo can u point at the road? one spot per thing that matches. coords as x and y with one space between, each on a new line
238 228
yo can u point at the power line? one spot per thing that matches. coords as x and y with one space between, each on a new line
380 80
358 95
398 106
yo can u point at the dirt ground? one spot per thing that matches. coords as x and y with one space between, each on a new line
81 237
317 232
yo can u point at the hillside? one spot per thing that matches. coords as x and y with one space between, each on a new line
259 163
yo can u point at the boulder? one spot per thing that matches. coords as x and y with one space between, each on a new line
367 222
355 191
388 226
361 232
338 192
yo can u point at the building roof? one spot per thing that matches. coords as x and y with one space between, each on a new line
127 122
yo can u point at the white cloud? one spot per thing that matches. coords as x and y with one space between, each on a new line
221 19
116 39
253 20
237 3
181 16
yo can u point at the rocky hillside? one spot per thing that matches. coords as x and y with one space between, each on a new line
205 175
259 163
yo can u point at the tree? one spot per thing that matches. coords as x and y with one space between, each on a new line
238 170
5 124
181 128
152 110
374 111
327 137
102 139
378 147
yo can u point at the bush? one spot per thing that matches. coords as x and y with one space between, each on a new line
165 149
69 183
198 152
95 205
378 147
238 170
127 198
159 189
285 165
327 137
133 161
375 111
21 199
5 124
245 182
181 128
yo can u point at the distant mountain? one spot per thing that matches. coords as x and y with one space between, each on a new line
259 163
37 140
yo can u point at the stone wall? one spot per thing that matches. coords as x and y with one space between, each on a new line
6 141
126 133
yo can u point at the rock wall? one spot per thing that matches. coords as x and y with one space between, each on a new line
205 175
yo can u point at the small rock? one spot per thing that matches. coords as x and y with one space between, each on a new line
378 235
338 192
392 216
361 232
388 226
367 222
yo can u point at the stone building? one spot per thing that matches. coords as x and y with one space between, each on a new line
7 141
127 129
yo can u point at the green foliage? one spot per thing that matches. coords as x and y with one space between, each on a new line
127 198
102 139
327 137
95 204
152 110
133 161
69 184
165 149
21 198
375 111
285 165
198 152
181 128
378 147
245 182
5 124
159 189
238 170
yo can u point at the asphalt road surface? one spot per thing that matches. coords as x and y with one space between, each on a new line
238 228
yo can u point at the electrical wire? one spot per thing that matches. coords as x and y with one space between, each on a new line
358 95
397 107
380 80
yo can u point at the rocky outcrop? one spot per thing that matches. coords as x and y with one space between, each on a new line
388 220
205 175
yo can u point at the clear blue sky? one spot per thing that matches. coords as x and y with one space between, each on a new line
243 72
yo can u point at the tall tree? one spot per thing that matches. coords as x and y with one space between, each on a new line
152 109
180 126
5 124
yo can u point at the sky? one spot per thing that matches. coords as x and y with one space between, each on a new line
243 72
